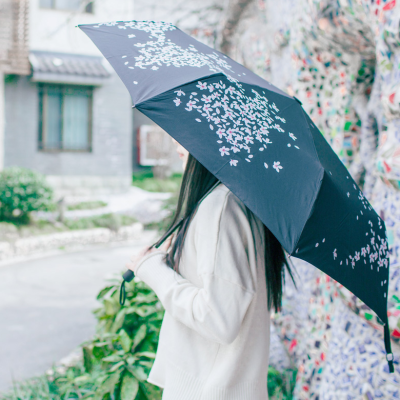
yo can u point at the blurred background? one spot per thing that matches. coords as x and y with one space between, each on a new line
86 180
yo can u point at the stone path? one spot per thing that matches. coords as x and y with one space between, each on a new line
46 306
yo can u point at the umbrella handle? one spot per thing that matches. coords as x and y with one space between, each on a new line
389 354
128 276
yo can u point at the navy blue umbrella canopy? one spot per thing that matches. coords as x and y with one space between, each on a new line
261 144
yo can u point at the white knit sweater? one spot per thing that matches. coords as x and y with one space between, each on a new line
214 339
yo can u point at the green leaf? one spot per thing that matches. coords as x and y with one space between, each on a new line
119 320
108 325
131 360
139 336
130 310
112 358
81 379
111 307
147 364
145 298
145 311
138 372
99 350
70 374
125 340
116 366
109 384
149 391
143 394
100 379
103 343
104 291
87 358
98 395
129 387
147 354
147 344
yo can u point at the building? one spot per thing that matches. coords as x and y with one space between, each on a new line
71 118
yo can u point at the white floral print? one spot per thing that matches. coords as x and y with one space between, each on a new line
202 86
161 52
374 252
277 166
241 122
224 151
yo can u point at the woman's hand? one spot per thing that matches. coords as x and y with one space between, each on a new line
135 260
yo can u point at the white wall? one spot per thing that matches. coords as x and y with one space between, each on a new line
55 30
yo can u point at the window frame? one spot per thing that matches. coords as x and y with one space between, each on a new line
43 109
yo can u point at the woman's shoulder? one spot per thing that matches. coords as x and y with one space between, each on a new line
222 212
221 199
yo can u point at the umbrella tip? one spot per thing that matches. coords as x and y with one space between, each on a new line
298 100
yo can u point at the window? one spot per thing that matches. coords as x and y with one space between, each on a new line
65 117
69 5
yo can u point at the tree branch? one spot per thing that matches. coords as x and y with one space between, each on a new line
234 14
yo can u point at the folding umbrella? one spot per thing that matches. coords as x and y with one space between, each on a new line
261 144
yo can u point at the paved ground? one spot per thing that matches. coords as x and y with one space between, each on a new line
46 304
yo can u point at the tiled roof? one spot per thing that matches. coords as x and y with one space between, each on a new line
68 68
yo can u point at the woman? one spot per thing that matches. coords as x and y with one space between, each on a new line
217 293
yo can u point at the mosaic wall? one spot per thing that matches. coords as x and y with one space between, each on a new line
342 60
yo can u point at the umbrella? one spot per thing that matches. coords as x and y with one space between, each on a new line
261 144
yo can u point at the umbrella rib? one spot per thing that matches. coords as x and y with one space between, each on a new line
280 111
309 130
320 185
223 166
311 212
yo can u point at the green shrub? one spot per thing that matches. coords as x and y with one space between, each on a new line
21 192
146 181
141 175
124 347
110 221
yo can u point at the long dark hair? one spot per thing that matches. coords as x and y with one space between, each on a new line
196 182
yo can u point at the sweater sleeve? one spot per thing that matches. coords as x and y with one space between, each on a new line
223 248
